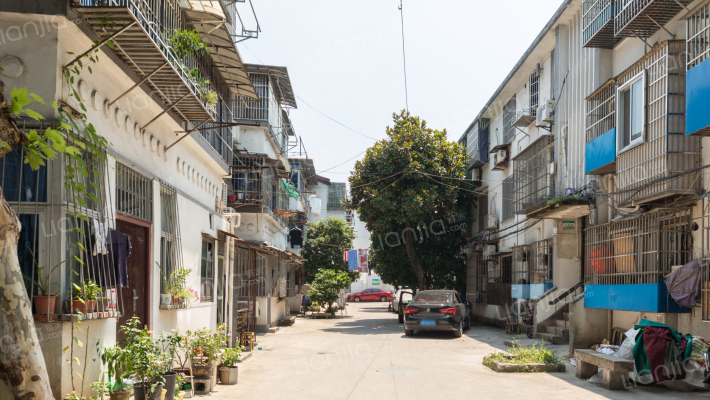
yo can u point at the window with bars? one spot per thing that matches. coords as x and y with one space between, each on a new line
534 92
134 193
532 264
638 250
508 119
248 181
601 111
698 41
500 276
508 193
207 269
533 183
336 194
476 280
521 265
170 248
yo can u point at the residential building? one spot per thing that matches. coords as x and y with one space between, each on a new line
589 161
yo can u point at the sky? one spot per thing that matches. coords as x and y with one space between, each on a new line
345 62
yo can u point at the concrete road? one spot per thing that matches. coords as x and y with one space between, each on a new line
365 355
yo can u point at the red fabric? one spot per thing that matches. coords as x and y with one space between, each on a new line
656 339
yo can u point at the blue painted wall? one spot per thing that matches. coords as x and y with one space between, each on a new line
697 104
531 291
600 152
649 297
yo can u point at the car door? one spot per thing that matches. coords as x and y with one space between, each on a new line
367 294
460 308
376 294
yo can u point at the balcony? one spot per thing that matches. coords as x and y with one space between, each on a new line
141 28
646 170
625 261
534 183
643 18
600 151
532 270
697 119
598 31
477 144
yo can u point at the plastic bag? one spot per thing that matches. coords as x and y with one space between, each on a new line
598 378
626 349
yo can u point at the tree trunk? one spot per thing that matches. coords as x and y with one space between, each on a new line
22 368
409 240
8 130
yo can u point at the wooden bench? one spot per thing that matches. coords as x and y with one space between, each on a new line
616 369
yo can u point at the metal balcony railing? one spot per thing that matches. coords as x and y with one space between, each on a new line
639 250
643 18
532 263
145 46
601 111
698 37
533 183
598 19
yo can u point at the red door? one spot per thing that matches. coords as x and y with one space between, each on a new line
134 298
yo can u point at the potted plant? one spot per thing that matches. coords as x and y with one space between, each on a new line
206 352
115 358
181 382
84 296
170 344
144 359
45 301
228 372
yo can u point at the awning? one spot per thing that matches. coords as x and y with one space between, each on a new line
210 20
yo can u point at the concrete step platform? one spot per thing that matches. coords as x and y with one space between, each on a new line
551 338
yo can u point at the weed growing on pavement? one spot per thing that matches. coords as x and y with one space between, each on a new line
535 354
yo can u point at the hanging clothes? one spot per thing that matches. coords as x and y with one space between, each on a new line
314 203
121 249
110 270
684 284
100 236
660 350
296 236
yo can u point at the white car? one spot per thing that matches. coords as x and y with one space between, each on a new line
406 298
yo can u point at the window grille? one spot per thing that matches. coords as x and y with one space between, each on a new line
500 275
541 262
521 265
638 250
698 37
508 119
245 108
533 183
134 193
508 193
598 30
170 247
245 282
472 145
19 182
601 110
481 281
207 269
336 194
643 18
534 92
247 181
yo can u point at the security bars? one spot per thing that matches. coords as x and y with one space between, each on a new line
639 250
534 92
521 265
500 276
643 18
508 119
508 196
170 247
598 31
533 183
697 47
601 111
541 262
336 193
134 193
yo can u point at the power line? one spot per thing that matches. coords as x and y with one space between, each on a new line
404 57
333 119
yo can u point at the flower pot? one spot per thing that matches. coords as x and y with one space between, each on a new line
85 307
102 304
141 392
215 368
179 395
202 371
228 375
176 300
168 381
42 302
166 299
122 394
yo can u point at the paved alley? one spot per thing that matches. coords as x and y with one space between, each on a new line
365 355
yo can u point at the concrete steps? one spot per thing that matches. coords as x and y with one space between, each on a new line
551 338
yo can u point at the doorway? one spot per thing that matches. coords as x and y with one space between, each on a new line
135 298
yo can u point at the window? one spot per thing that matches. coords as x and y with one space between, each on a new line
170 249
19 182
631 112
336 193
508 189
134 193
207 270
508 119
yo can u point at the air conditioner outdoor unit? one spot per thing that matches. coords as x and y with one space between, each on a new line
490 222
544 113
500 157
224 192
488 251
476 175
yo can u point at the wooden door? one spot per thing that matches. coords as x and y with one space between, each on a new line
134 298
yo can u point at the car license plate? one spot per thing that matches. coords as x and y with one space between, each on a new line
428 323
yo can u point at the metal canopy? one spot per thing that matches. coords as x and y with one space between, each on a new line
282 82
210 20
137 47
643 18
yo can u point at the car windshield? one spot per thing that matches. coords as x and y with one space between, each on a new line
433 297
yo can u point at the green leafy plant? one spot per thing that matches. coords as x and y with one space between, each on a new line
187 42
327 240
88 290
562 199
231 356
170 344
144 355
326 285
207 95
206 344
535 354
116 360
42 282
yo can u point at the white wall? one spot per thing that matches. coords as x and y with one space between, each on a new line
369 282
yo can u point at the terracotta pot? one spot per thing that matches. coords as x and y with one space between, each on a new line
41 304
123 394
228 375
84 308
202 371
176 300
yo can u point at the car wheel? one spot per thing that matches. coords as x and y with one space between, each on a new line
409 332
383 299
468 323
357 299
459 332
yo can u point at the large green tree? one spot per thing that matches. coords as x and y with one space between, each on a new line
327 240
407 181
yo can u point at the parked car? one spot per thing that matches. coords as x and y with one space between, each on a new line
406 298
370 295
437 310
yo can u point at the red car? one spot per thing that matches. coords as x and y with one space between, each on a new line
370 294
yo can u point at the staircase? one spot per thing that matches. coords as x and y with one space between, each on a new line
555 329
